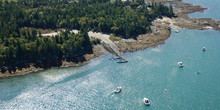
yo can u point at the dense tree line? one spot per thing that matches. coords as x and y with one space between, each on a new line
30 48
120 18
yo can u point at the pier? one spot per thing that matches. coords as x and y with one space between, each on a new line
115 52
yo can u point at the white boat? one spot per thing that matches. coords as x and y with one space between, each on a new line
177 31
203 49
146 101
165 90
180 64
122 61
118 90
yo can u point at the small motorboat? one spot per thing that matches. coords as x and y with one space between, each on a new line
146 101
198 72
118 90
180 64
165 90
177 31
203 49
122 61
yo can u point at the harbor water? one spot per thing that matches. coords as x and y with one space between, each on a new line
211 12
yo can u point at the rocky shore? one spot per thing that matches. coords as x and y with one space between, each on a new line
161 30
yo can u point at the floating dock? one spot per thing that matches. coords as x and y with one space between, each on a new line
117 53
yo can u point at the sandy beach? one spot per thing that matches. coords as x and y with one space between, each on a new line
161 30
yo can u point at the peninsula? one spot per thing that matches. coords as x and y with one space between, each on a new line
132 26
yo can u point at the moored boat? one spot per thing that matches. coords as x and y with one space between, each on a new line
122 61
118 90
198 72
177 31
180 64
203 49
146 101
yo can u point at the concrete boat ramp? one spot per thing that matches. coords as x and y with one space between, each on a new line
107 43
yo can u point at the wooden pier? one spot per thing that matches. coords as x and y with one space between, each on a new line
115 52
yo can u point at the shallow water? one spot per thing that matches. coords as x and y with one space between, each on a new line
212 11
146 74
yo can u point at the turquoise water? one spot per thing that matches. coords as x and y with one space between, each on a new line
212 11
146 74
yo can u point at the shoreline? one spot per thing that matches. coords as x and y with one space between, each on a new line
98 50
161 28
161 31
